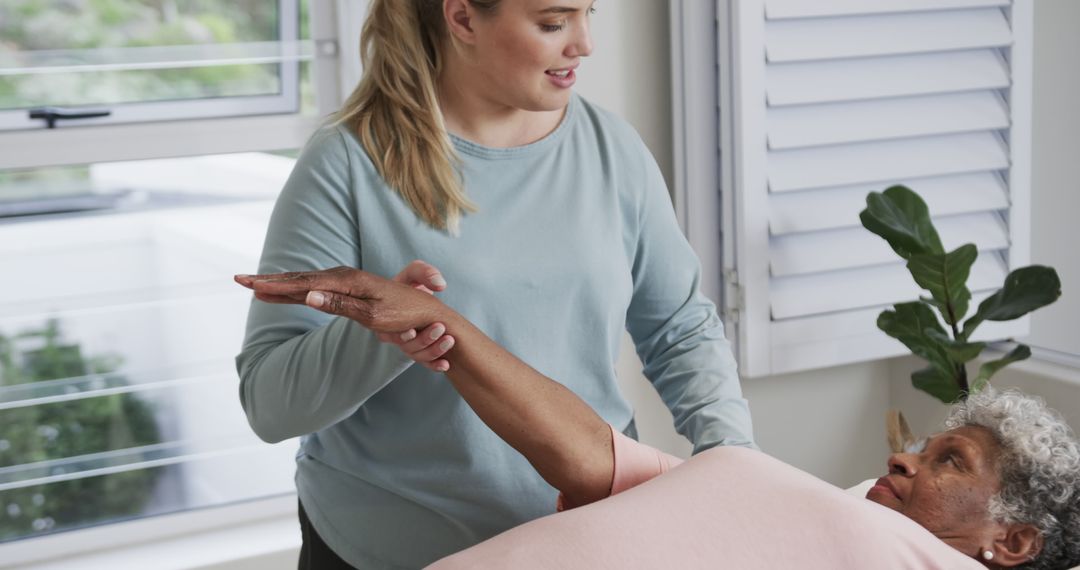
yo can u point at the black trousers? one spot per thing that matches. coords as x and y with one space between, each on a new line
315 554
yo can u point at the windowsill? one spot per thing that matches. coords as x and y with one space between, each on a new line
250 535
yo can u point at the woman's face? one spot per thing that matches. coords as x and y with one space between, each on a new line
525 53
946 486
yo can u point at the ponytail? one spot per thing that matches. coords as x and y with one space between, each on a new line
395 110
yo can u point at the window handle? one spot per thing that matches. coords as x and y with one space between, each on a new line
52 114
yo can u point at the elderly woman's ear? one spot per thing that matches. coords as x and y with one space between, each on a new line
1015 544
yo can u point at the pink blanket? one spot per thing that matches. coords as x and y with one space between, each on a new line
724 508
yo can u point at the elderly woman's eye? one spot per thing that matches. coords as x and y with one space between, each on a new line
953 458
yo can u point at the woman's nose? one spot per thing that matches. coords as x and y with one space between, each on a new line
903 464
582 45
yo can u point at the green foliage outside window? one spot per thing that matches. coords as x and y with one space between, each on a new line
48 432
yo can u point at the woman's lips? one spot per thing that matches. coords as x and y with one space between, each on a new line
563 78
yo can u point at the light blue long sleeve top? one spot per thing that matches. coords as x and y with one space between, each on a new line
575 241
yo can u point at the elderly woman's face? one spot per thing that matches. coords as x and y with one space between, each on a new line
945 487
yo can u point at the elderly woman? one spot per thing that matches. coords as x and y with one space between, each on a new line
1000 488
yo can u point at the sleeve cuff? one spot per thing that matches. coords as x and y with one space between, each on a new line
634 463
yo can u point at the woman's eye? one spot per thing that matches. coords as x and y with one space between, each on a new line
552 27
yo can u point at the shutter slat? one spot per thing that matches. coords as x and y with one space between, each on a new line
860 322
781 9
831 208
892 34
856 247
892 76
822 293
869 162
838 123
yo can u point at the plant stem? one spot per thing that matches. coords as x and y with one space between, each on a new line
960 370
952 322
961 379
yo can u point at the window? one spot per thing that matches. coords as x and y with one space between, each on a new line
117 382
134 61
176 78
821 103
119 235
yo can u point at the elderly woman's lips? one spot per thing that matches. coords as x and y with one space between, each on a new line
884 487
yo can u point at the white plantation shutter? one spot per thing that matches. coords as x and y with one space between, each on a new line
822 102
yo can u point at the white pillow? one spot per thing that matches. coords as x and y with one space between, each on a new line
861 489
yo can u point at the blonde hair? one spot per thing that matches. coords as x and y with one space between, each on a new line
395 109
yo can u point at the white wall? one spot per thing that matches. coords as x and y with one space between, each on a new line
1055 199
629 70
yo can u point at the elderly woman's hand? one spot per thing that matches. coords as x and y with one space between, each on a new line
387 307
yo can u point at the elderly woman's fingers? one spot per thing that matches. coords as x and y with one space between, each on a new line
281 299
363 311
343 280
245 279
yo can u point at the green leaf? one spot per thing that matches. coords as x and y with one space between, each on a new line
990 368
945 277
959 351
936 383
909 323
1025 290
901 218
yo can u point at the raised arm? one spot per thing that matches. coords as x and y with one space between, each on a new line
567 443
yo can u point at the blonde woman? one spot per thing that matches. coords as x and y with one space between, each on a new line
552 231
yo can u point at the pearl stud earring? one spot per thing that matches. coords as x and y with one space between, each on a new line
987 555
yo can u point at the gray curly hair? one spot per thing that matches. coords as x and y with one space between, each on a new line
1039 469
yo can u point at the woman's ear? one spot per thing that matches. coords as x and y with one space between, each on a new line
459 16
1019 544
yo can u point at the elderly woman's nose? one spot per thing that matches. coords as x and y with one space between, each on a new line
903 464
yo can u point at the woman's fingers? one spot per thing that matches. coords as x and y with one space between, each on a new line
440 365
428 358
423 339
431 356
423 276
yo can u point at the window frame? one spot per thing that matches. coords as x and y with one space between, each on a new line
124 534
228 133
335 77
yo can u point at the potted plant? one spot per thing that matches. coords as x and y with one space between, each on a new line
934 326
